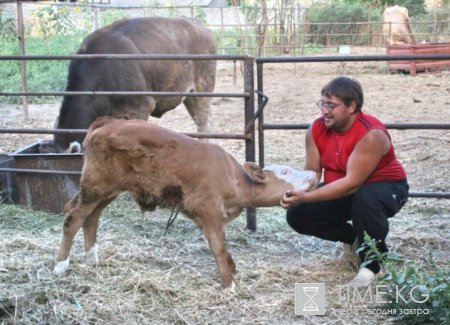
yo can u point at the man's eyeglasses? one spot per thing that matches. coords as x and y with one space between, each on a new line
329 106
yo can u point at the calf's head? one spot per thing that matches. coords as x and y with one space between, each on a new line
273 181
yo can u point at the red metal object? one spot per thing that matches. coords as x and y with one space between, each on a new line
418 65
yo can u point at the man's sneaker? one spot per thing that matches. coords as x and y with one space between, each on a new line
363 279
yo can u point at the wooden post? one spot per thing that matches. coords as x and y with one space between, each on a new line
221 30
434 38
369 14
95 16
23 68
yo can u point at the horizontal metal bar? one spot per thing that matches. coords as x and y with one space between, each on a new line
445 195
44 131
266 126
418 126
299 126
348 58
318 58
439 195
128 57
83 131
40 171
124 93
398 126
231 136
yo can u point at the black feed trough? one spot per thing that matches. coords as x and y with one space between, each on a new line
41 181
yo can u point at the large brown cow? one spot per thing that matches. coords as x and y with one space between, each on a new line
153 35
396 26
160 167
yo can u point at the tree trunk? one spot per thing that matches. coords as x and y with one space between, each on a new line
261 28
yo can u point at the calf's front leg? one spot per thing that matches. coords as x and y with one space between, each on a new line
215 234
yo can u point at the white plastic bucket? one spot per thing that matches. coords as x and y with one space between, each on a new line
345 49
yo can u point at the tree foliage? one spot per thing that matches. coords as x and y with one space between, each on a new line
415 7
330 18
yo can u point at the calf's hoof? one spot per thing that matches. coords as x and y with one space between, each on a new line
61 267
232 288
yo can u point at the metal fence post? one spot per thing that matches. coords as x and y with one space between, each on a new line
260 74
250 154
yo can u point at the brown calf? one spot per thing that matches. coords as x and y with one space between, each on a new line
160 167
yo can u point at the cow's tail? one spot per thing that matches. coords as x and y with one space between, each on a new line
74 147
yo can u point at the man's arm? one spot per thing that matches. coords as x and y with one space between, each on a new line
312 155
362 162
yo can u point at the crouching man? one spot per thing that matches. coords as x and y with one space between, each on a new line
363 181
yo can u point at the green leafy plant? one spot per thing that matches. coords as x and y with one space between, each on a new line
47 75
7 27
172 8
414 287
112 15
52 20
200 14
334 23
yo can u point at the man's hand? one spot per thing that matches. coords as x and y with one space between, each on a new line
291 198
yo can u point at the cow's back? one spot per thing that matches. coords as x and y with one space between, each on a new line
152 35
156 35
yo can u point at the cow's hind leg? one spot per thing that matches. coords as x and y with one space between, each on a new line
199 109
90 226
76 214
215 233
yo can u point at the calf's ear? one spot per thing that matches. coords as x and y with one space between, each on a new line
255 172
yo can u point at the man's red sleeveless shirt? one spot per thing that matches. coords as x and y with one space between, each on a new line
335 149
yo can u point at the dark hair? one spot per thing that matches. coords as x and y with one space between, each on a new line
346 89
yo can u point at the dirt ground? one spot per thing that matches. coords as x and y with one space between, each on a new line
293 89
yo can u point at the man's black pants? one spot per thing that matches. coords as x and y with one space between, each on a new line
368 208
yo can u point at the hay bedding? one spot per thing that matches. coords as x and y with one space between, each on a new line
149 276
